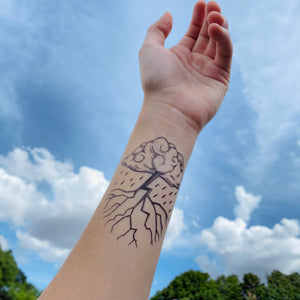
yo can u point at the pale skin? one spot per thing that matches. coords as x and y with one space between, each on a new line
183 89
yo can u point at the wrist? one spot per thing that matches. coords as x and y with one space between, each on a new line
168 111
159 118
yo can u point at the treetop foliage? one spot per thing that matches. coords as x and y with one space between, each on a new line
13 282
195 285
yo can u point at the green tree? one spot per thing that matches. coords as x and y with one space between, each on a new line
280 287
8 273
195 285
13 282
295 282
209 291
191 285
253 288
230 287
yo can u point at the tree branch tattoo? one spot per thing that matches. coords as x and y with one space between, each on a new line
142 205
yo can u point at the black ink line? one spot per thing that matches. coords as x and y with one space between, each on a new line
117 198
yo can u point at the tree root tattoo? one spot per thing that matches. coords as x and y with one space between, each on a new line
142 205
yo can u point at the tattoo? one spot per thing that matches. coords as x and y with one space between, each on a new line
142 205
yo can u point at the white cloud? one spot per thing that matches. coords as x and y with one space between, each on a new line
298 143
206 264
175 229
266 49
15 197
246 203
46 251
257 249
35 165
47 200
50 204
4 243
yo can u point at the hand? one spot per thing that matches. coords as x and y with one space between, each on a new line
192 76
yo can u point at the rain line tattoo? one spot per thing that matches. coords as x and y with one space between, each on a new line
150 179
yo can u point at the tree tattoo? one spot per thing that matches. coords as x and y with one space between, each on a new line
142 205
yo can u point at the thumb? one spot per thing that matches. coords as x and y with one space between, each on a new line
159 31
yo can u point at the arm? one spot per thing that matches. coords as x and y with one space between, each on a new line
116 256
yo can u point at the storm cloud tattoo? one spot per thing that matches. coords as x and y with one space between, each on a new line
150 179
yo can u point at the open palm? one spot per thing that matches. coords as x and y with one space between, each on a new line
192 76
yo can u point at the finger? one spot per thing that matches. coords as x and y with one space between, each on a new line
203 37
192 33
213 17
225 24
224 47
210 7
159 31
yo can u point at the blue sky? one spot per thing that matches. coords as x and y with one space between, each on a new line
69 97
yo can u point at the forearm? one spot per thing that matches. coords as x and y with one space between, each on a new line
117 254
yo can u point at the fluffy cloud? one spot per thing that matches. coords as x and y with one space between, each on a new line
175 229
46 251
256 249
209 266
4 243
16 198
50 204
247 203
35 165
47 200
